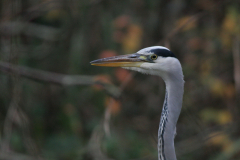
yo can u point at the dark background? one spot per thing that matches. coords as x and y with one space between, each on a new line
56 106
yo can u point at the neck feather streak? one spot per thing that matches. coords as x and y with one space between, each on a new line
170 113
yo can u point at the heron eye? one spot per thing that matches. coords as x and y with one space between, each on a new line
154 57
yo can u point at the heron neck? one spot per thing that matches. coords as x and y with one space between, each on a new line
169 117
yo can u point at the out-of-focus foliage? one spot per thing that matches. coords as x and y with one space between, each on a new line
42 119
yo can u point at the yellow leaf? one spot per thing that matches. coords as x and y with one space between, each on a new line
216 116
224 117
219 139
230 26
132 41
217 88
230 21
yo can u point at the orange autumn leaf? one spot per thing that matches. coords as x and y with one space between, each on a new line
107 53
103 79
121 74
218 139
186 23
115 105
120 25
229 91
121 21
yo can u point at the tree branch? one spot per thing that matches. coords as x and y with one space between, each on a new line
59 79
29 29
16 156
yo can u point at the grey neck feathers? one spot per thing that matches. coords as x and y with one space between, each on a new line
170 113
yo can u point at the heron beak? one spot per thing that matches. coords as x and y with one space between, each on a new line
131 60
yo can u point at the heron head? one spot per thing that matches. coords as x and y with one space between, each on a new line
156 60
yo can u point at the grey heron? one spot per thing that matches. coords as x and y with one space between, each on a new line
160 61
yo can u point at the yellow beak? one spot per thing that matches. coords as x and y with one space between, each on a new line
132 60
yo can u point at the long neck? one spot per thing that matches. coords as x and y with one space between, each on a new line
170 113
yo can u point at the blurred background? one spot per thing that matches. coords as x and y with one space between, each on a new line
56 106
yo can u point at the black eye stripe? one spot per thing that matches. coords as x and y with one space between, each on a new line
162 52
